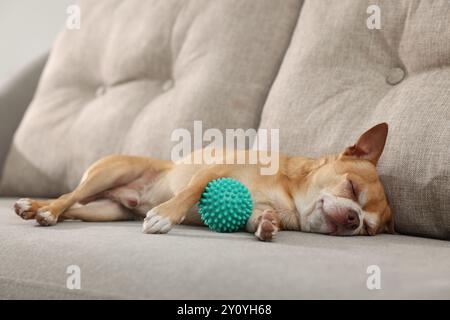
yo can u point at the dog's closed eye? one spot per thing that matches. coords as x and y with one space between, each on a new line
353 190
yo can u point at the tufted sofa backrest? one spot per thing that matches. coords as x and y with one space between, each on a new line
137 70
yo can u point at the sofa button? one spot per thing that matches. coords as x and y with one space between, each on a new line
167 85
100 91
395 76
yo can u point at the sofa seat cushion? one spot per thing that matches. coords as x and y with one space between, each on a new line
137 70
340 78
116 260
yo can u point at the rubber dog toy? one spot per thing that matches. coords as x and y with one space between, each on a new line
225 205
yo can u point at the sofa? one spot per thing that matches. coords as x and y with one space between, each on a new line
321 72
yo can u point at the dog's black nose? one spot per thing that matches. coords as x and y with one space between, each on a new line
352 219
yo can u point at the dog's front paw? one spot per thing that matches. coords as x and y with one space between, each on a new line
46 217
267 227
24 208
155 223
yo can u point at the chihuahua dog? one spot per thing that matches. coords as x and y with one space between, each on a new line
336 195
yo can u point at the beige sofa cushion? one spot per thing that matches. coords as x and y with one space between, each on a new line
339 78
118 262
137 70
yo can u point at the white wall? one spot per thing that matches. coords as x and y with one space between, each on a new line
27 29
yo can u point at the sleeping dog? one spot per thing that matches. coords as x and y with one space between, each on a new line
337 195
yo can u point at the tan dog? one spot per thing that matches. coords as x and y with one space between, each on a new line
336 195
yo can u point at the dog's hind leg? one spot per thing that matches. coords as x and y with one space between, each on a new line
26 208
102 210
107 173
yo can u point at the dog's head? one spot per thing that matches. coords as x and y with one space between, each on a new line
342 194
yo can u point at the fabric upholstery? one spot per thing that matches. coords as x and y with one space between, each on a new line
116 260
216 61
137 70
15 96
340 78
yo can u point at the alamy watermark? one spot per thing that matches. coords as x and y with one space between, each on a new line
228 147
374 20
374 279
74 279
73 21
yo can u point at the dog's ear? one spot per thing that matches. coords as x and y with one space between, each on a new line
370 145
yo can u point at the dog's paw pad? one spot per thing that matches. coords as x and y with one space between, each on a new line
154 223
46 218
267 228
23 208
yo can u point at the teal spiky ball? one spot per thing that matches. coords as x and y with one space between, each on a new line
225 205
